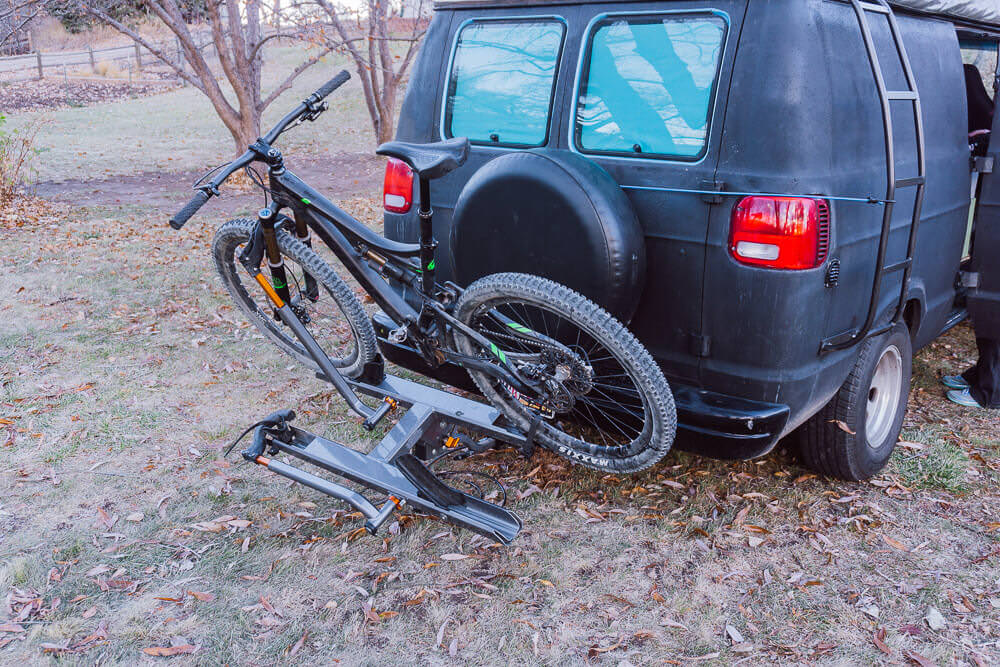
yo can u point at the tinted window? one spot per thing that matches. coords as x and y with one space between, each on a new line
502 76
648 83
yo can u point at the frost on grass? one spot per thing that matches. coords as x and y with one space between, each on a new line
124 372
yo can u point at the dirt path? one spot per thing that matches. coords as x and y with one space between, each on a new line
342 176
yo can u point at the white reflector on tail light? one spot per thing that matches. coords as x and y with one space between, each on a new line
397 189
791 233
750 250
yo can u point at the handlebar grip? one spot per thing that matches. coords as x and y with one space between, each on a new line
189 209
331 85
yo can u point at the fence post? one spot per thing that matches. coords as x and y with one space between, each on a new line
93 65
38 55
138 57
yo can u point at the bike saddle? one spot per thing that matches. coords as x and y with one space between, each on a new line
429 160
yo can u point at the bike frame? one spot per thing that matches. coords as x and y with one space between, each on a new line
360 250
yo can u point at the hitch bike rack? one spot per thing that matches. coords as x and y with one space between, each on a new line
393 467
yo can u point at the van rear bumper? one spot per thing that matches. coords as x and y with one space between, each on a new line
708 423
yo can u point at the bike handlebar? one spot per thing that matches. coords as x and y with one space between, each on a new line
206 191
309 104
330 86
189 209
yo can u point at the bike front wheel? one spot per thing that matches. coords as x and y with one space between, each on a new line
322 300
600 399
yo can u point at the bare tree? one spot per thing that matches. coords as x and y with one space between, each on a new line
238 39
15 16
380 58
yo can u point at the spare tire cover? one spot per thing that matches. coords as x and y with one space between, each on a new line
555 214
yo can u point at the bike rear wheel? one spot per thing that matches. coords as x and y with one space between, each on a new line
607 405
331 311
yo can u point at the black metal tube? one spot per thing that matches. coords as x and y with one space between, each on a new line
427 242
323 361
339 492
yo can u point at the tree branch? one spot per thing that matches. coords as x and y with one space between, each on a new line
286 84
146 44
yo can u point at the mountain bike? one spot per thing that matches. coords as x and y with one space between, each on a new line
560 370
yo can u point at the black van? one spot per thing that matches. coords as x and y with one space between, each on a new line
777 196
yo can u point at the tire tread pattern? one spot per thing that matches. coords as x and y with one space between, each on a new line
610 332
240 231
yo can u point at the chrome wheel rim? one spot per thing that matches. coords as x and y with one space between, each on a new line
883 397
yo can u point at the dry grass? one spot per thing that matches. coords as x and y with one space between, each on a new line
125 372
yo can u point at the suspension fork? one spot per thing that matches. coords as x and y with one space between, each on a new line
275 263
302 234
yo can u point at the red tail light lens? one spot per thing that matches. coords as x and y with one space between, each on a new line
397 190
791 233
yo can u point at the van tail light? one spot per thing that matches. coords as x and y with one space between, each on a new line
397 189
791 233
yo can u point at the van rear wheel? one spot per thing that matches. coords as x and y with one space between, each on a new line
854 435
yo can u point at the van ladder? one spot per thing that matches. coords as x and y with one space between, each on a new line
849 338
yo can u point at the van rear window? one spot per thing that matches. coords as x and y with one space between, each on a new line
501 81
647 85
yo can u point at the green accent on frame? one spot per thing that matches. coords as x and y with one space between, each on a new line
498 352
306 201
519 327
277 284
430 266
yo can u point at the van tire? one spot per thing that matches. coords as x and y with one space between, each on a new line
834 442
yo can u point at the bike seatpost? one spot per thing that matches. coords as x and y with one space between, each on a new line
427 243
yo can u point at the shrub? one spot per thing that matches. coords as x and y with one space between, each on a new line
17 156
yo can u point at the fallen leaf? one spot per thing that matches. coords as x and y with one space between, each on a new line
454 556
440 632
135 517
734 634
203 597
90 612
843 427
670 623
292 650
167 651
878 638
895 544
11 627
596 650
919 659
935 621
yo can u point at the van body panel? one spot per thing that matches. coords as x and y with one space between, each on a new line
808 122
796 112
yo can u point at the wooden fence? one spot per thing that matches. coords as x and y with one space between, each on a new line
132 58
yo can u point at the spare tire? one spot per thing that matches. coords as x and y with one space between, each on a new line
554 214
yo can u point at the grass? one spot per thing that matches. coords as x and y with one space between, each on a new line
179 131
939 464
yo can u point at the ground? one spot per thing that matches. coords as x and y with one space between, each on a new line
125 535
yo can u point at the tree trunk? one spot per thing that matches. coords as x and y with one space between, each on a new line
387 116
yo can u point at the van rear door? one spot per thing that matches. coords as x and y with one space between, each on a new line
649 97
